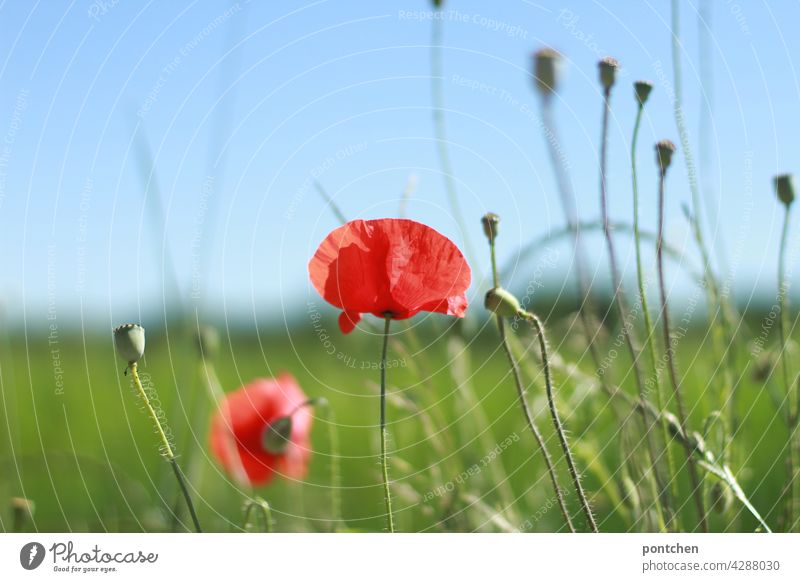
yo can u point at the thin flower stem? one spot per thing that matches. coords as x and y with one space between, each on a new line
718 303
573 225
649 330
532 425
783 327
166 448
538 327
387 494
661 500
711 463
495 274
697 493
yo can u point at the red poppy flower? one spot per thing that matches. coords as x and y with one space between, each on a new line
389 266
261 429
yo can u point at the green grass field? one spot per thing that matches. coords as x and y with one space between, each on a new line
79 446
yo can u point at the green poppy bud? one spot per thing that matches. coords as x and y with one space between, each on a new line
129 339
502 303
546 63
784 188
608 72
664 151
277 435
490 222
642 91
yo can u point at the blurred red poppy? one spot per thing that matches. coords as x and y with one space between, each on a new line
389 266
263 428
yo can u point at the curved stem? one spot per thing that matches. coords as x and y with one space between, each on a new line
166 447
538 327
531 425
264 508
697 493
541 242
387 494
650 346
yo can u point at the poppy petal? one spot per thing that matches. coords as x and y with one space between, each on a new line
348 321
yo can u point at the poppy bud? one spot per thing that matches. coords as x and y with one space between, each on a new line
784 187
546 63
664 151
207 342
608 72
277 435
490 223
642 91
129 339
21 511
502 303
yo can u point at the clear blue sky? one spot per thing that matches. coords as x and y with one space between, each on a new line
242 104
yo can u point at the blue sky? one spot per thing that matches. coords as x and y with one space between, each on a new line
243 105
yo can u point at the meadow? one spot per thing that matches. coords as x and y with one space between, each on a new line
86 454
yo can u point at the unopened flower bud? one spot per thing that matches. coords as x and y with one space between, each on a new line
490 222
642 91
277 435
664 151
207 342
129 339
608 72
546 63
502 303
784 188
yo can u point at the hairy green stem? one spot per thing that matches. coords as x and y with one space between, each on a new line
697 492
166 447
718 304
538 327
661 501
573 226
532 425
650 346
387 494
